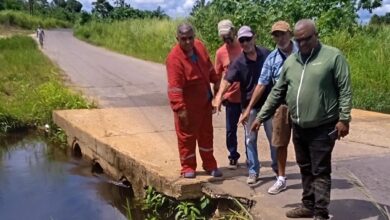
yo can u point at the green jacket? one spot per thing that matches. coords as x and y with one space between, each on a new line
316 92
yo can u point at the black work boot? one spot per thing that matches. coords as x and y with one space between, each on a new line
300 212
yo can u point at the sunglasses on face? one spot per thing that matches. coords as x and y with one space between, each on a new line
305 39
245 39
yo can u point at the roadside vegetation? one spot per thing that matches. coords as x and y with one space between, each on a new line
29 22
368 53
30 86
157 206
148 39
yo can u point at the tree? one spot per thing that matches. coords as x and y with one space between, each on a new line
330 15
199 4
60 3
73 6
11 4
102 8
120 3
378 20
368 4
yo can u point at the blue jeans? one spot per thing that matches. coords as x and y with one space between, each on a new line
233 111
251 144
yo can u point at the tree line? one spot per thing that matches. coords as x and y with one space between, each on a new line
330 15
71 10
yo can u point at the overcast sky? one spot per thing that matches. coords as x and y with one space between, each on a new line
181 8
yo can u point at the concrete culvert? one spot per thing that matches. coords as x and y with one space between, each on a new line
96 168
76 151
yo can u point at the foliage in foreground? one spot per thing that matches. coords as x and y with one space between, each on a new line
30 86
157 206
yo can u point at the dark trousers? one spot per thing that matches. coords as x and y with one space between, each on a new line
313 150
233 112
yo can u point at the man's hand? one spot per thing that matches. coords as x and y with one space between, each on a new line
343 129
183 118
217 102
244 117
255 125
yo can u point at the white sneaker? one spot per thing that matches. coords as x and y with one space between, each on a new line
252 178
278 187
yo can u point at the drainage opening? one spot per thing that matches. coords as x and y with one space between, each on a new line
96 168
76 152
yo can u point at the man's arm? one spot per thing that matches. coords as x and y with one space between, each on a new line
175 75
275 98
219 70
343 80
264 80
224 86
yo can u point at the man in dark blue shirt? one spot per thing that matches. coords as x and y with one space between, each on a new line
246 69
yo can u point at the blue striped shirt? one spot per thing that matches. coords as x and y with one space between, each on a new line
273 66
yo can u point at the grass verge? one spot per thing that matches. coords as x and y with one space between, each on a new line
148 39
30 86
26 21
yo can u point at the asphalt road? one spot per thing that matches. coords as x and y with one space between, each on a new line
114 80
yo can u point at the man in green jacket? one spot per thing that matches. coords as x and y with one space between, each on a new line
316 85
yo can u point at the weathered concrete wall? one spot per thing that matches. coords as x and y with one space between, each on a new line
144 158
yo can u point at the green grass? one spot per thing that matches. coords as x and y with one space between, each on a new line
368 52
30 86
148 39
26 21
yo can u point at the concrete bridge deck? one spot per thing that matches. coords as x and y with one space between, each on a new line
139 143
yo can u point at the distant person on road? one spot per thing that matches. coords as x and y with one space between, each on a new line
246 69
281 122
190 72
40 35
231 100
315 83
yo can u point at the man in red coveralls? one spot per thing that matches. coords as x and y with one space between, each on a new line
190 72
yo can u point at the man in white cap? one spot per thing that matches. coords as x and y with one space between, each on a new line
231 100
246 70
281 122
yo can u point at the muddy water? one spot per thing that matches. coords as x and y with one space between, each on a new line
41 181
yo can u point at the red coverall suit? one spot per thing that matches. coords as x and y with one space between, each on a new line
189 89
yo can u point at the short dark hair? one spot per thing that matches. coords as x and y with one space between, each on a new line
184 28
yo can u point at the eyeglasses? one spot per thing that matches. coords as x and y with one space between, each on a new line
305 39
245 39
187 38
